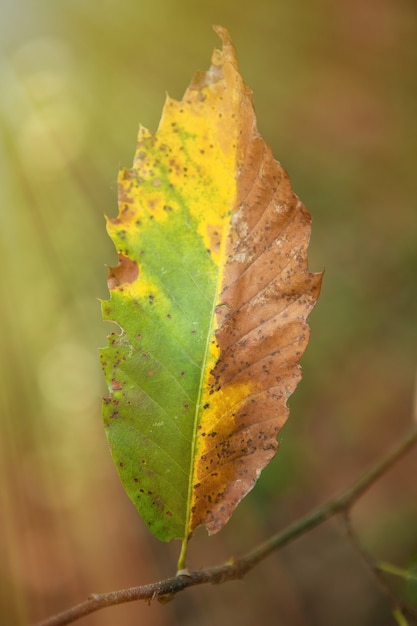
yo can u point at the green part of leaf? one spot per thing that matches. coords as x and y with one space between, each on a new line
156 364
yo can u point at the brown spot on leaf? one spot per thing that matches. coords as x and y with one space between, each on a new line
127 271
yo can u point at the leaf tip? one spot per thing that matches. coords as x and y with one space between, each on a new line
222 32
228 51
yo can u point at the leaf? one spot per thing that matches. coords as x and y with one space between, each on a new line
211 294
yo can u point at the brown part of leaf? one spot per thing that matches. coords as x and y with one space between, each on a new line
267 293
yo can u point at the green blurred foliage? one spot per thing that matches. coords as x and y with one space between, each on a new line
336 93
412 582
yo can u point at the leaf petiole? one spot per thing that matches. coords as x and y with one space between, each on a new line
181 568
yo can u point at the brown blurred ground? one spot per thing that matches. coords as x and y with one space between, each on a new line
336 92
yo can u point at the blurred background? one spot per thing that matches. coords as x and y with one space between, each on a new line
335 92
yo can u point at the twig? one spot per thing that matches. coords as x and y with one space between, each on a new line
377 573
389 568
165 590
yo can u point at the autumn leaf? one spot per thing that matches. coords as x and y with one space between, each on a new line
211 294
